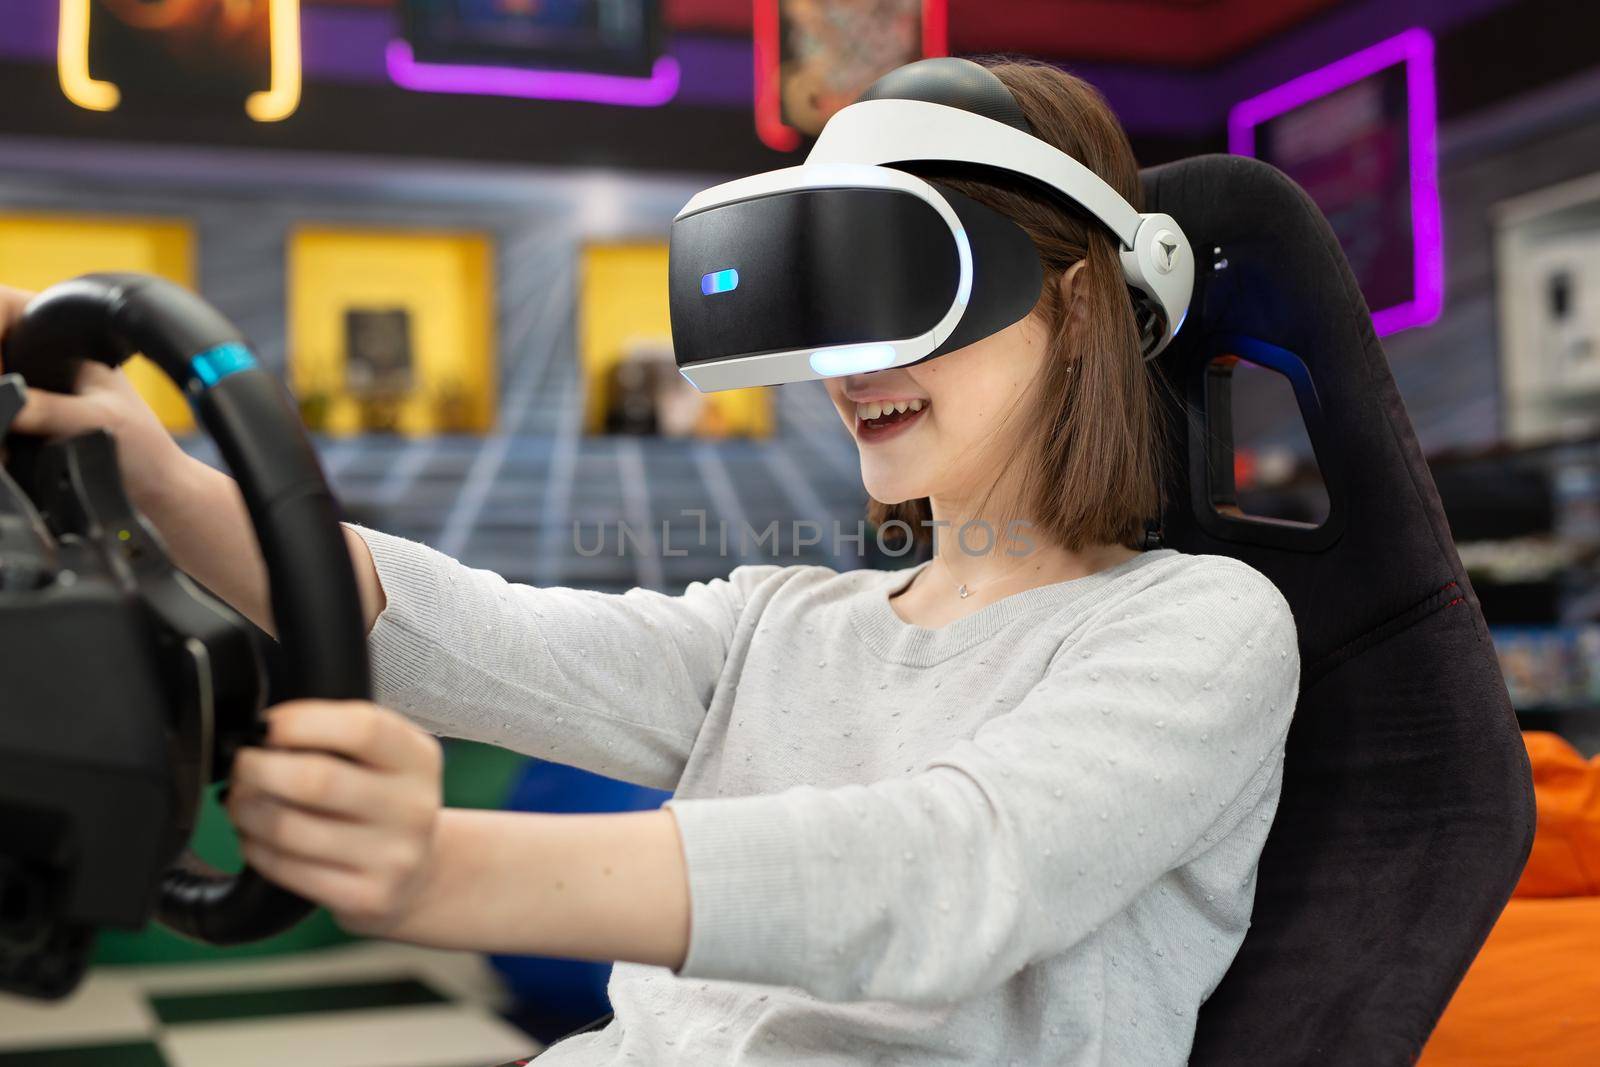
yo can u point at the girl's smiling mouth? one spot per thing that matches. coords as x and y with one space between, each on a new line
878 420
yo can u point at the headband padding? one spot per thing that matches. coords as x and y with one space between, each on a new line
953 82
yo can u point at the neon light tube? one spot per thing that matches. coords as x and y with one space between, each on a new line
1414 48
406 71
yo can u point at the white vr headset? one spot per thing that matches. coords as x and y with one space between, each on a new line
848 264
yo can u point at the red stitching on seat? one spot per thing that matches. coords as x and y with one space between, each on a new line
1313 672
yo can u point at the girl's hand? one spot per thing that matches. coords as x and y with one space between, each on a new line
154 468
198 511
342 809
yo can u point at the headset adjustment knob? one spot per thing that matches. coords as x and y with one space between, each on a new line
1164 250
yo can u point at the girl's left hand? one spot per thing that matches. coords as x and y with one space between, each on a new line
341 809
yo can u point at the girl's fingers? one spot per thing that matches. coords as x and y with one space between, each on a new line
12 301
358 729
336 888
341 809
92 374
57 414
329 784
315 837
296 832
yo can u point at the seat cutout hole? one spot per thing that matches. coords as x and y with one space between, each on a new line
1262 464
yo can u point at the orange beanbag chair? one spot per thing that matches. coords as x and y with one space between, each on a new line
1532 997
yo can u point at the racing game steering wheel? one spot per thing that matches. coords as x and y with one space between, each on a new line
127 688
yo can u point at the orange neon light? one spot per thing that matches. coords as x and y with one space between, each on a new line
277 102
280 100
72 61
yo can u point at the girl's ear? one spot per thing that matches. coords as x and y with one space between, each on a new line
1068 279
1066 286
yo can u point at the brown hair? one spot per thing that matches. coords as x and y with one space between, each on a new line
1088 434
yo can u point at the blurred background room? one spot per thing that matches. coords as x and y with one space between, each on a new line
444 222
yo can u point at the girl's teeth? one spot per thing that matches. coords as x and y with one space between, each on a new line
878 409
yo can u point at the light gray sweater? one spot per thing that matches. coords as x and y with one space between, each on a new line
1027 837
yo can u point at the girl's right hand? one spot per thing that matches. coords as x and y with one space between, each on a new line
153 466
199 512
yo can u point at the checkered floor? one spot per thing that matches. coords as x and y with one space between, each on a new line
363 1005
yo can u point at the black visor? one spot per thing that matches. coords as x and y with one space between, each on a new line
816 268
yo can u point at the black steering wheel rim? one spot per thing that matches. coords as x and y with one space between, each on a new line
315 602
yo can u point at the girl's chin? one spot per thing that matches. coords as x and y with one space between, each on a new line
891 490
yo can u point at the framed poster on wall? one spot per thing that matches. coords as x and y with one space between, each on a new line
1360 136
1547 276
602 51
593 36
814 57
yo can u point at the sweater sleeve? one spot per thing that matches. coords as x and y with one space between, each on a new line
618 684
1154 732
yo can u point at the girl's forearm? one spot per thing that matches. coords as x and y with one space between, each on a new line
599 887
206 526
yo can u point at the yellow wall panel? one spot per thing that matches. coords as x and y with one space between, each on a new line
443 280
37 251
622 302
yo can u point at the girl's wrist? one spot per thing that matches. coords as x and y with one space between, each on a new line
172 486
436 910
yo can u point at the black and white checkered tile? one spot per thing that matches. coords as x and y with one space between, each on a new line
362 1005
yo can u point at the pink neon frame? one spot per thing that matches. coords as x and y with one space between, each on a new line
408 73
770 127
1414 48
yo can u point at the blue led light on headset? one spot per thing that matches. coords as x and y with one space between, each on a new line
719 281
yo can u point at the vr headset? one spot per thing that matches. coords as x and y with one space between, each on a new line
850 263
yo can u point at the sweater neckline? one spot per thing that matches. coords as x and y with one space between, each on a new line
898 641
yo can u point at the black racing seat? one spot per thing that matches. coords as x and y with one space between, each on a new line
1407 807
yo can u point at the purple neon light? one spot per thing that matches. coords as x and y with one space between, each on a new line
1414 48
406 72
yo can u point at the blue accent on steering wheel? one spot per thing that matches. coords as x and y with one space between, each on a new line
219 361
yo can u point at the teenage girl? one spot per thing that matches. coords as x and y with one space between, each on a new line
1002 807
